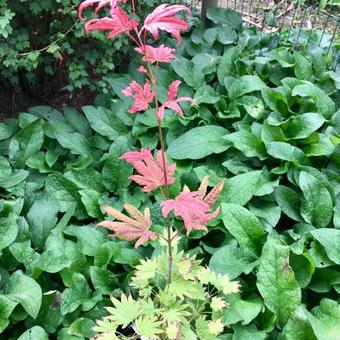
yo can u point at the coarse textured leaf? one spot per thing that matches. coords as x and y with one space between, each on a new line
232 260
323 102
244 85
26 291
34 333
317 205
244 226
298 327
8 230
231 192
284 151
289 202
325 320
276 282
42 218
330 239
199 142
104 122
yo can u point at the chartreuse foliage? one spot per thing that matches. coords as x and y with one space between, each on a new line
195 295
267 123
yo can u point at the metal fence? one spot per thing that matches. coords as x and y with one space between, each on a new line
294 23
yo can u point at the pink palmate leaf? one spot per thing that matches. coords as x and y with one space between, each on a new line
150 170
195 207
130 228
100 4
163 18
161 54
172 102
118 23
190 208
142 95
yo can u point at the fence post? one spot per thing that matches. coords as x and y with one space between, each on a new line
208 4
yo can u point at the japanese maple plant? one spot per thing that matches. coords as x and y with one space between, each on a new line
172 296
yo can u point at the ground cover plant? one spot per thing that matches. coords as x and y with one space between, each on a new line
265 122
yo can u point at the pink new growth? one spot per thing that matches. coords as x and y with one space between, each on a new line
172 102
130 228
193 210
101 4
118 23
150 171
142 96
159 54
163 18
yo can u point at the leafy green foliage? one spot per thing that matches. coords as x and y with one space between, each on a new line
273 138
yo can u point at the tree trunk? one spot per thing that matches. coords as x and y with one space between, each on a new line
208 4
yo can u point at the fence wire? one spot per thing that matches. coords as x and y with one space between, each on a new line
294 23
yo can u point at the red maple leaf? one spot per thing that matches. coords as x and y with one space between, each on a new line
118 23
150 170
161 54
163 18
172 102
130 228
101 4
142 95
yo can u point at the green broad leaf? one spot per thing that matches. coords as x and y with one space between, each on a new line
249 144
26 291
90 199
289 201
321 145
115 174
323 103
226 66
254 106
243 311
245 84
225 16
77 121
5 131
276 282
298 326
231 192
8 230
248 333
7 306
330 239
82 327
79 294
56 255
34 333
24 253
105 122
267 212
285 151
42 218
26 143
325 320
103 280
302 126
207 95
226 35
199 142
303 67
239 261
46 112
303 267
324 279
86 179
15 178
187 70
89 238
65 192
276 100
244 226
73 141
317 203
